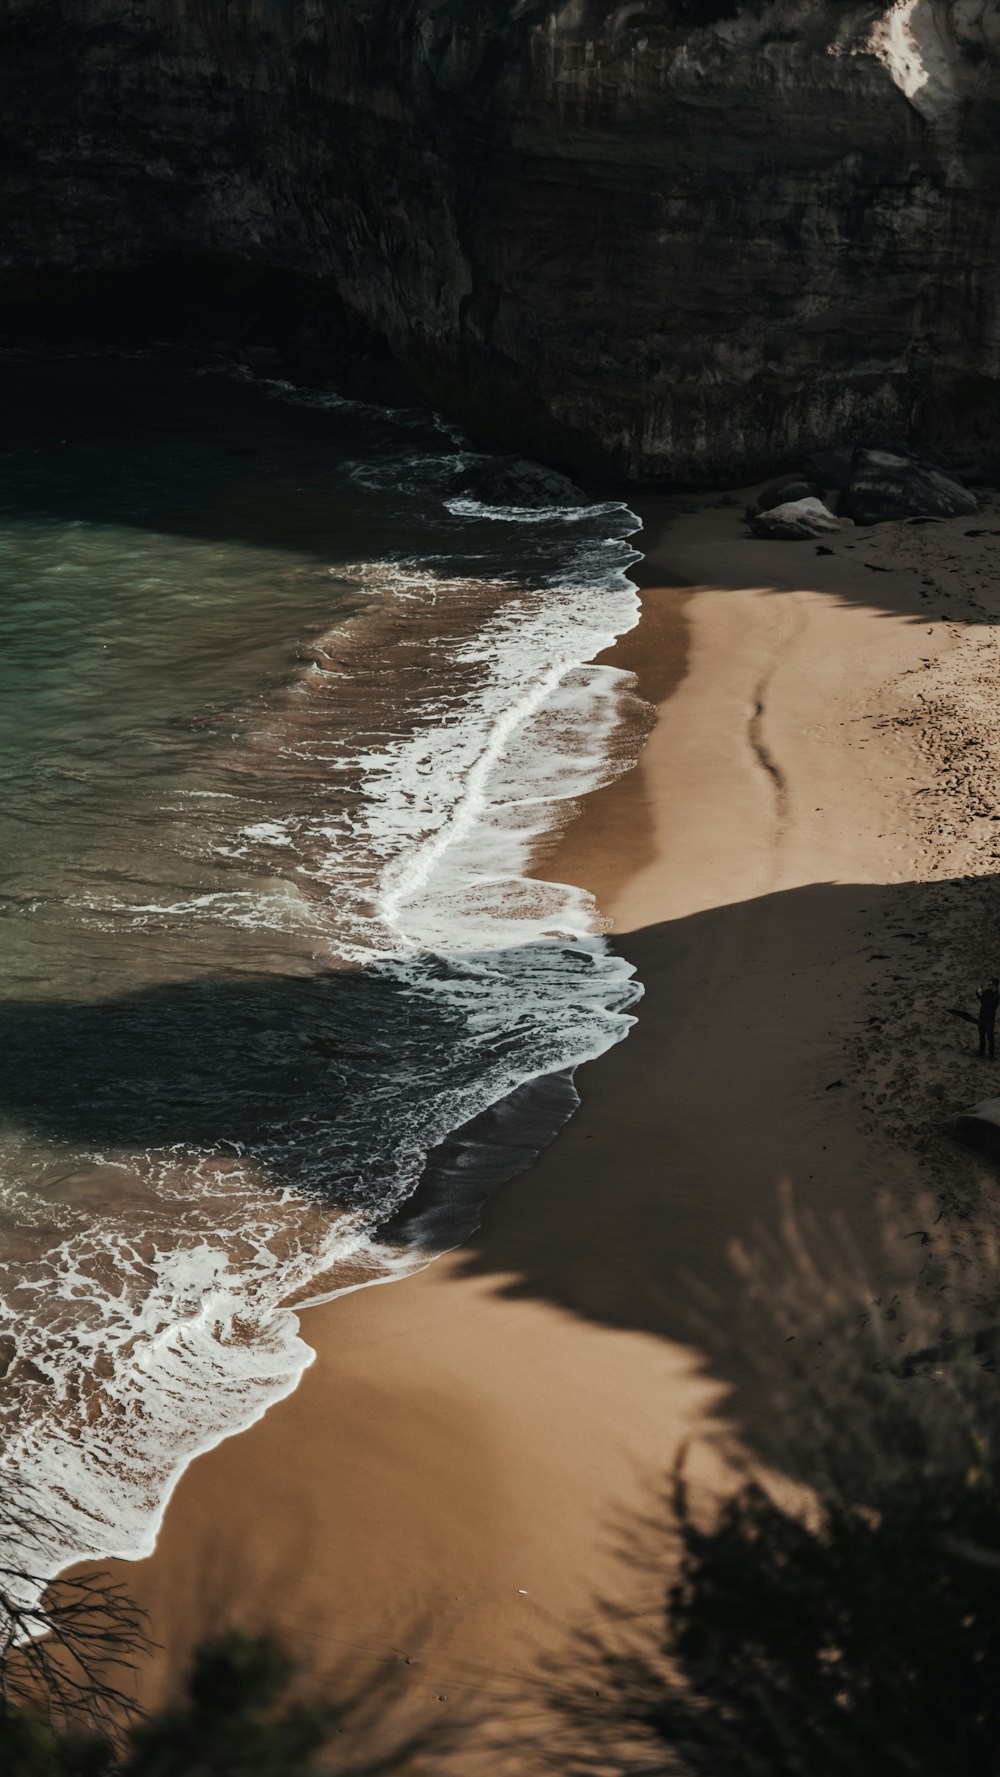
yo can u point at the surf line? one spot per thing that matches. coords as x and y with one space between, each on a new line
415 872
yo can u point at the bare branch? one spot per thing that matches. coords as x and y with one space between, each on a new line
66 1645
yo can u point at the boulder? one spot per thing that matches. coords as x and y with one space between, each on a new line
979 1127
795 519
885 485
514 481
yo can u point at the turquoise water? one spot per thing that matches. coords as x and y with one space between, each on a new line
159 578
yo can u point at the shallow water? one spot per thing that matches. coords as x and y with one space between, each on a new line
281 722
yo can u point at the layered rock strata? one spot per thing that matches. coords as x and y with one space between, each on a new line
686 240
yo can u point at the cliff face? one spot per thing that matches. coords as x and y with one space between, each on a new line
682 239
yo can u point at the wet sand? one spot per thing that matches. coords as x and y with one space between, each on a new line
439 1501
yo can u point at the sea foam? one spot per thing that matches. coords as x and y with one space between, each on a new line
480 722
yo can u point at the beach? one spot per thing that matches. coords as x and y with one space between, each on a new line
800 870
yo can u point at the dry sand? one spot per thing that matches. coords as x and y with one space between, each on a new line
800 869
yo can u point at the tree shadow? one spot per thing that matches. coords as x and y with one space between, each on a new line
339 1084
848 1625
791 1022
817 1047
792 1003
210 1060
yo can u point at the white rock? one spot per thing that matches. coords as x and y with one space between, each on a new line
796 518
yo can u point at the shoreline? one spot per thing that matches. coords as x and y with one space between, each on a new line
580 602
471 1442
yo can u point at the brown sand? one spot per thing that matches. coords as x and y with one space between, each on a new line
446 1483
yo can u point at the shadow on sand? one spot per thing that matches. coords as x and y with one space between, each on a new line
631 1222
689 1130
817 1051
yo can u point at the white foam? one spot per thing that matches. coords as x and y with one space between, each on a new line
462 507
193 1328
423 876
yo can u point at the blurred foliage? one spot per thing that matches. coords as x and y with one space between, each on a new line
30 1746
864 1641
836 1614
807 1645
243 1714
845 1618
237 1715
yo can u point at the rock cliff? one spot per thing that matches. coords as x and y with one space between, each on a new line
680 240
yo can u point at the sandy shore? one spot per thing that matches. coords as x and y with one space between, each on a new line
800 869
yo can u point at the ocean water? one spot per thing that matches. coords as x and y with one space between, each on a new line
283 721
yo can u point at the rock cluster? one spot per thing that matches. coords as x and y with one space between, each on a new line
871 484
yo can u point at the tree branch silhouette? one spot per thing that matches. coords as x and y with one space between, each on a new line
66 1646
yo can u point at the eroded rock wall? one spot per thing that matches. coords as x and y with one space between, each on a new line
681 240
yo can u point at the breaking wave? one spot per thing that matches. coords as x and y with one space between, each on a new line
349 961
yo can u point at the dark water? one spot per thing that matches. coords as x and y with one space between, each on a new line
281 723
